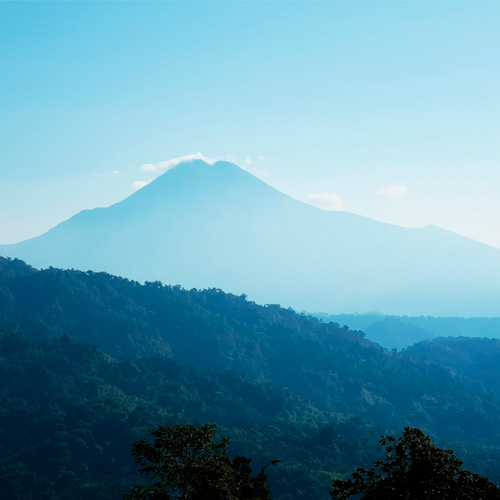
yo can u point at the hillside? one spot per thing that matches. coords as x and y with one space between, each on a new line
334 368
476 358
275 381
217 226
70 414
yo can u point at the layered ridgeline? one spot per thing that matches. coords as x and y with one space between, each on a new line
401 332
335 368
201 225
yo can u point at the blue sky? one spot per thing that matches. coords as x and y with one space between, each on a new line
386 109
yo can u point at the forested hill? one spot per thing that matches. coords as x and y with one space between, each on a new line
475 358
336 369
70 414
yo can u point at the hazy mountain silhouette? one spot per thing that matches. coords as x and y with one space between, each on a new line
201 225
403 331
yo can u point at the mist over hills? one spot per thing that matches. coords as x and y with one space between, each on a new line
317 394
400 332
201 225
334 368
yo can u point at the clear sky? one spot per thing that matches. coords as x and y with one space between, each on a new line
386 109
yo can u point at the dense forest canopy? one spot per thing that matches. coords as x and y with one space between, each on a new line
70 414
90 362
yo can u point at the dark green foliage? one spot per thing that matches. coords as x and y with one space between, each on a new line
336 369
277 382
69 414
475 358
415 469
186 463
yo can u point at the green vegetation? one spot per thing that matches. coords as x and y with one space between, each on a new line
280 384
415 469
475 358
186 463
69 414
336 369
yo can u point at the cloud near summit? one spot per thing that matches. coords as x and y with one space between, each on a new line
162 167
170 164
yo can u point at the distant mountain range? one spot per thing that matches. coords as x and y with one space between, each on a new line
201 225
403 331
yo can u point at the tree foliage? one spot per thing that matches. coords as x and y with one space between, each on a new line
69 413
264 374
415 469
186 463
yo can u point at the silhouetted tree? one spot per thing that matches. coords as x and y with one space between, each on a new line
415 469
186 463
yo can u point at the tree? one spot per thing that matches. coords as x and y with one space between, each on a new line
415 469
186 463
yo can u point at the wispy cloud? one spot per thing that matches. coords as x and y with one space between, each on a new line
156 169
392 192
170 164
140 184
150 167
325 201
259 172
115 172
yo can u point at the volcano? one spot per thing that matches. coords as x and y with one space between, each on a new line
202 225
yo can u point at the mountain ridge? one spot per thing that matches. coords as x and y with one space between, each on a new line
331 368
335 368
204 226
